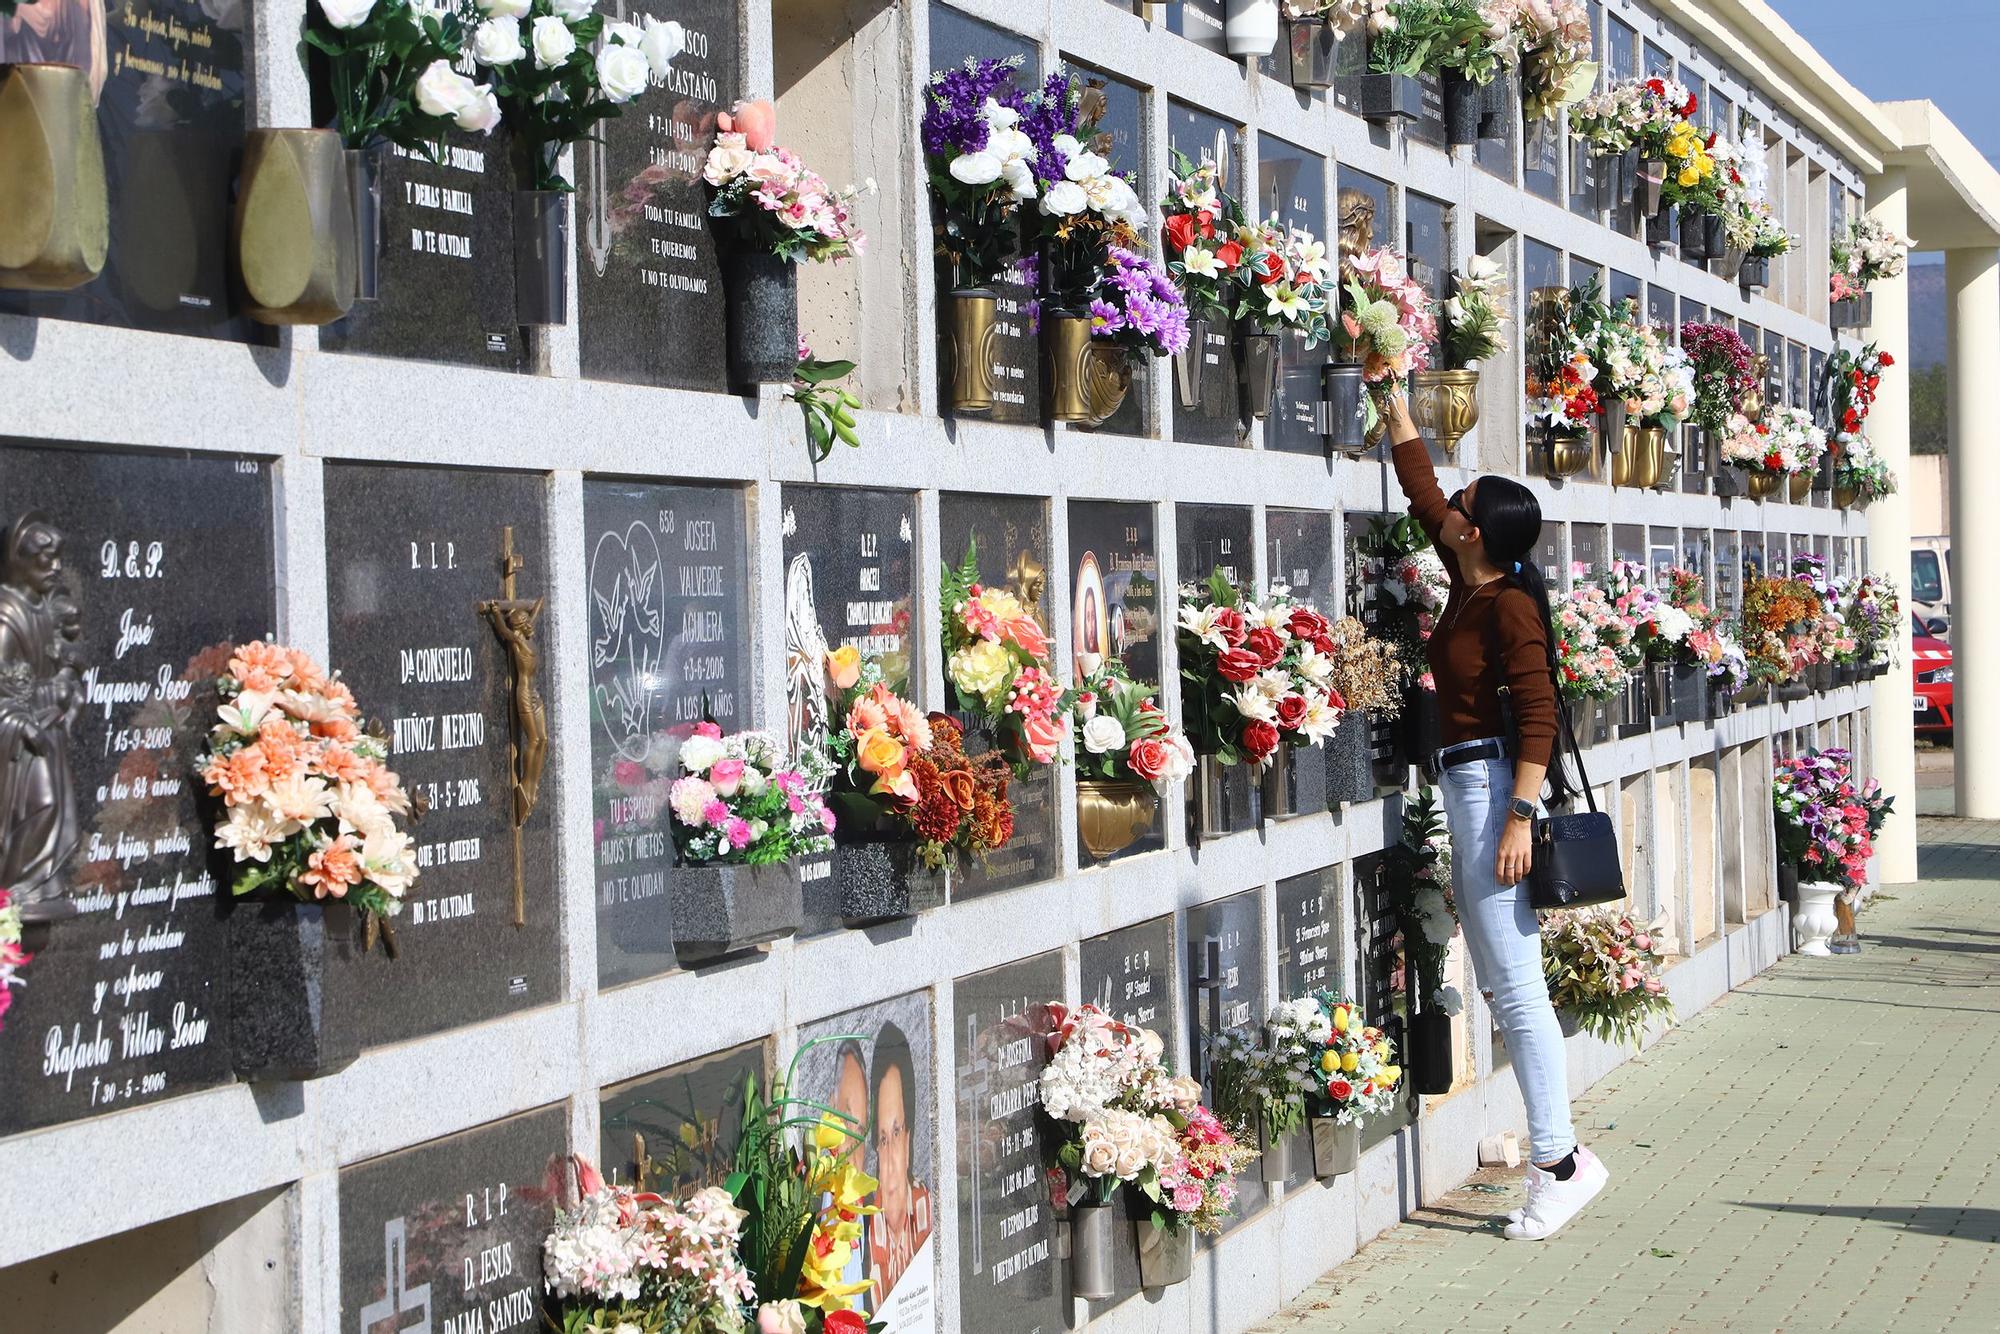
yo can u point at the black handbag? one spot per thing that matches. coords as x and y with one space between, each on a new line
1575 856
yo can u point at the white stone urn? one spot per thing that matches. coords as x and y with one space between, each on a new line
1814 921
1250 27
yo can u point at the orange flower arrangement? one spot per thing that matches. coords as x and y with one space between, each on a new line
1778 617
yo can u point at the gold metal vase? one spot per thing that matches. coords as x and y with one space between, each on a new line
1111 814
1627 467
1445 404
1088 379
974 328
295 227
1662 458
1569 455
1763 485
1751 404
55 214
1846 496
1800 484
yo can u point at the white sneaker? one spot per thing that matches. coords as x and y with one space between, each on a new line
1552 1203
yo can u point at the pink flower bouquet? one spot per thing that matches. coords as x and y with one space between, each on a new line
12 957
780 204
736 801
1388 322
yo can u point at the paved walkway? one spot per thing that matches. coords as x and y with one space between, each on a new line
1818 1152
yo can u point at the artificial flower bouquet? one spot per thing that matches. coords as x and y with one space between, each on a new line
1417 587
1775 627
1692 180
1768 237
1864 253
1827 822
1419 882
625 1259
1254 675
1367 670
737 802
1596 653
559 67
1707 643
996 666
1475 313
1435 36
1861 470
390 67
1721 362
1553 40
1604 972
1635 113
1659 629
308 800
1638 368
1285 287
1874 612
1121 735
981 166
1343 16
1793 437
1200 224
1388 322
1261 1077
1133 303
1564 401
1355 1076
1852 380
771 200
12 957
1829 640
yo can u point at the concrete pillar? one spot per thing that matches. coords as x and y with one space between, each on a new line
1895 759
1972 305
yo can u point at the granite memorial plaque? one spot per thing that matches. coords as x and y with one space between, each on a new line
1298 553
1011 1278
1204 138
447 285
1211 538
1428 128
1200 21
1224 960
1291 186
1010 535
447 1235
1017 355
669 578
1549 554
876 1065
1309 955
649 299
436 579
1384 981
850 579
675 1130
112 633
167 79
1115 589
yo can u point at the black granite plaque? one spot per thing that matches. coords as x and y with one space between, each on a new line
1549 553
1308 917
876 1065
1427 225
167 78
1586 549
448 1235
1541 157
1428 128
669 583
412 555
1225 988
1011 536
1384 981
1200 21
1728 571
648 288
1115 590
1011 1279
850 578
1210 538
1291 186
1204 138
1298 553
447 286
1017 360
165 560
685 1120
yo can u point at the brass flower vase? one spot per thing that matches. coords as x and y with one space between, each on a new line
1088 379
1763 485
1569 455
1111 814
1846 496
295 227
1800 487
974 328
1663 457
1445 404
55 212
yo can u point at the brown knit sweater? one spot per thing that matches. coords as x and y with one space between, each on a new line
1483 638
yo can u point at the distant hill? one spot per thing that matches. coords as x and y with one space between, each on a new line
1927 320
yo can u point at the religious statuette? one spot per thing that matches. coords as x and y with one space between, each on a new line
514 622
41 696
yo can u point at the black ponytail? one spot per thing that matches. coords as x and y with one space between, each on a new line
1509 519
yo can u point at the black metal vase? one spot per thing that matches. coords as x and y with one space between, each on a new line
288 1016
762 294
1343 409
1294 783
1660 228
1383 98
1496 108
882 880
1430 1054
1694 234
1690 693
1464 105
1714 236
1755 275
541 257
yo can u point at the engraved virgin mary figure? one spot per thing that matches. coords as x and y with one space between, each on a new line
806 710
40 699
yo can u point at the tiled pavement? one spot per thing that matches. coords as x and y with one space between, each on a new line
1818 1152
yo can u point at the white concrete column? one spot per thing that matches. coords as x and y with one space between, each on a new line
1972 305
1894 745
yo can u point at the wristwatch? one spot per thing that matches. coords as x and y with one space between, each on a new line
1521 808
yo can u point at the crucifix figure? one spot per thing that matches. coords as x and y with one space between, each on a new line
513 621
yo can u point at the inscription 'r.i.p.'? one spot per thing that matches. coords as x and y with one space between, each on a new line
433 555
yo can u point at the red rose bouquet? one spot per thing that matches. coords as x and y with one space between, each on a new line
1255 674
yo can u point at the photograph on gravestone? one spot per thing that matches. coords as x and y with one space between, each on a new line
1129 974
1115 586
1383 984
1291 187
1203 138
1120 109
675 1130
649 294
850 579
1010 537
669 576
1200 21
881 1073
1011 1279
167 80
437 584
448 1235
1309 914
1224 959
447 285
112 633
1017 350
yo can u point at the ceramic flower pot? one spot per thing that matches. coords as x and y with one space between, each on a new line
1343 409
1165 1257
1755 275
1445 404
541 258
1256 368
1112 814
55 210
1813 922
1648 179
1092 1237
1250 27
722 910
1763 485
882 880
762 298
289 1014
294 227
1384 98
1799 487
1569 455
1313 49
1464 105
1087 378
364 192
974 329
1336 1148
1225 800
1188 364
1350 766
1694 234
1278 1159
1430 1055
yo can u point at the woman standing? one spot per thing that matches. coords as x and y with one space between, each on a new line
1494 633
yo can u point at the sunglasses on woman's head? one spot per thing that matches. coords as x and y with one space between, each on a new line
1457 503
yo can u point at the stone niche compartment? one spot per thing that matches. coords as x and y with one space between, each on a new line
685 1120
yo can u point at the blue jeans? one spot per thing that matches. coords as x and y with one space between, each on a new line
1506 944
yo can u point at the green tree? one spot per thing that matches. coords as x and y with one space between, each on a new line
1930 428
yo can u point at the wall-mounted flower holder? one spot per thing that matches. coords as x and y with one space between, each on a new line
1662 455
973 330
1755 274
1087 378
1342 412
1250 27
1112 814
1497 108
55 217
883 880
1314 50
719 911
1854 313
1165 1258
1188 363
1092 1238
1464 109
762 297
541 258
1350 762
364 192
1694 234
1336 1148
1649 180
1383 98
1278 1159
1660 228
1294 783
1223 797
288 1018
1568 455
1613 183
294 227
1445 403
1430 1054
1256 369
1420 724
